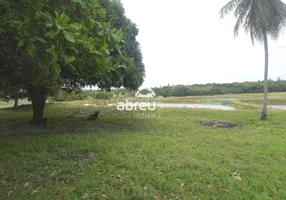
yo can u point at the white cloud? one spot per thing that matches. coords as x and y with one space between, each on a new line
186 42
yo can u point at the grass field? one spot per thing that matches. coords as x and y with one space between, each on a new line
163 154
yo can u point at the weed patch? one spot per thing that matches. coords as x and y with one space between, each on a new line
217 124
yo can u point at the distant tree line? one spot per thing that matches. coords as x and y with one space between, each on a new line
217 88
92 94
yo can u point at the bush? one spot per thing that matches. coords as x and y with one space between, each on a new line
69 96
89 94
103 95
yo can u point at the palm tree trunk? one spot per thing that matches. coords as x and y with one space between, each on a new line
265 104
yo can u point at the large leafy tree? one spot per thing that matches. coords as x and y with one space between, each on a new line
260 18
52 44
133 76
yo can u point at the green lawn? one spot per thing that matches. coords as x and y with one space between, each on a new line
168 156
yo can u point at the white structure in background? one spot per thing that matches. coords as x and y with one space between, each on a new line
151 93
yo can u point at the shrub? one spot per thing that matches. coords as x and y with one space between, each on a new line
69 96
103 95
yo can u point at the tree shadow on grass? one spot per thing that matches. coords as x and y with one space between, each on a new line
18 108
22 128
112 123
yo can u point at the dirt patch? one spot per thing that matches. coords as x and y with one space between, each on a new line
217 124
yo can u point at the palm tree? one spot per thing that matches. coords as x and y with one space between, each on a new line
260 18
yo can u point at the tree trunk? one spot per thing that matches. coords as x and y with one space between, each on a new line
16 102
265 104
38 103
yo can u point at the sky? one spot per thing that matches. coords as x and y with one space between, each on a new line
186 42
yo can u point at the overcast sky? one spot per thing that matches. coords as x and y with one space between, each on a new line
186 42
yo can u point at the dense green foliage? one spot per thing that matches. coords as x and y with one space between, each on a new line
133 77
84 95
68 96
216 88
47 45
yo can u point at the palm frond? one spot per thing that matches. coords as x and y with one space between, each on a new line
230 6
240 14
251 22
278 16
257 17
